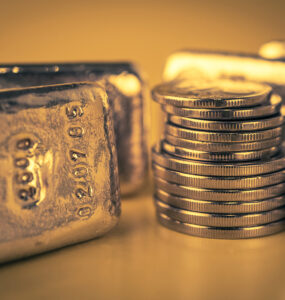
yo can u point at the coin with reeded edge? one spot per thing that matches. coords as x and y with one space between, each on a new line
218 156
228 137
220 220
222 147
222 232
217 169
259 124
227 113
220 194
220 206
211 93
218 182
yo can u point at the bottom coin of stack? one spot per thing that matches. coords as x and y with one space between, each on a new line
217 177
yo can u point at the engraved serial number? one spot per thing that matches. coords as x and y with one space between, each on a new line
80 170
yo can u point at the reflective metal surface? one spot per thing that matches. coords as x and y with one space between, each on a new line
249 125
214 65
222 232
214 182
205 93
219 206
217 168
220 194
222 136
228 114
203 112
126 92
273 50
59 176
220 220
222 147
218 156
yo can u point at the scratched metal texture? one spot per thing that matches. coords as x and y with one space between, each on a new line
59 175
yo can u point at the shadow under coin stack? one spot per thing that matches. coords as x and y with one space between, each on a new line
220 169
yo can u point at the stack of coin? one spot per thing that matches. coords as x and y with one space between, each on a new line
220 168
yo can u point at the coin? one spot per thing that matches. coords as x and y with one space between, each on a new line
222 147
217 169
222 232
222 182
220 220
228 114
211 93
221 194
220 206
218 156
259 124
221 137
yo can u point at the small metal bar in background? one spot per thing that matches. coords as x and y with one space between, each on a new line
59 182
269 68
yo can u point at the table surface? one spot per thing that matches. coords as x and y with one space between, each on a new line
140 259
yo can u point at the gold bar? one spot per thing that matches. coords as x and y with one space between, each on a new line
59 175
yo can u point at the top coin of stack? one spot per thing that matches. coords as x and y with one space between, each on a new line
219 169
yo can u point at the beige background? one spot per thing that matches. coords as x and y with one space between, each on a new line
140 259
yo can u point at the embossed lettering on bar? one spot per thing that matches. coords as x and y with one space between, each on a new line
59 173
